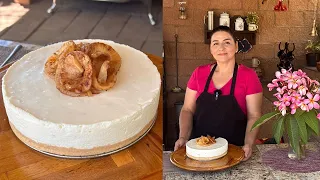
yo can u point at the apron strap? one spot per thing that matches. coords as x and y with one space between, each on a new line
234 79
209 78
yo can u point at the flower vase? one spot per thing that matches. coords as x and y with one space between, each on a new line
295 156
296 112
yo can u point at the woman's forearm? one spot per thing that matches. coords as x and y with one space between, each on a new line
185 124
251 135
254 104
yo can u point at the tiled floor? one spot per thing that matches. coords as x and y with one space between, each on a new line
125 23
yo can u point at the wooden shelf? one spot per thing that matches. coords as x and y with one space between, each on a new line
239 35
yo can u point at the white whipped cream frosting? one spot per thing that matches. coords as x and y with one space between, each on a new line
217 149
42 113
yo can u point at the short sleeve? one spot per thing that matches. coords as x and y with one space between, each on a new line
192 83
253 83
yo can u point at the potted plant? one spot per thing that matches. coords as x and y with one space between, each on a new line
313 52
252 20
296 110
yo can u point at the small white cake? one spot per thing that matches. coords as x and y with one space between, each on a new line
206 153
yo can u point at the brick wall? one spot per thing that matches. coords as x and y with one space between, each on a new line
293 25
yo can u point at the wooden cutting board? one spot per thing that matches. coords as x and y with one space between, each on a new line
142 160
234 156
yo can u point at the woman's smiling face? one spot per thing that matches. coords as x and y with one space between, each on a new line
223 47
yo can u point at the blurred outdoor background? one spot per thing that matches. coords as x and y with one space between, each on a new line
27 21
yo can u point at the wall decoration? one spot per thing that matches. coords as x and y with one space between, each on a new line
280 6
182 10
286 57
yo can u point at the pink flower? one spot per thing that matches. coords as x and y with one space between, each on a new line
272 85
296 98
295 90
302 90
290 91
284 71
281 90
283 110
293 108
294 83
277 103
303 106
312 101
286 100
303 81
308 80
285 77
300 73
292 76
277 95
278 74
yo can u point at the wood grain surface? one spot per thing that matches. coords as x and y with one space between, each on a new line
234 156
142 160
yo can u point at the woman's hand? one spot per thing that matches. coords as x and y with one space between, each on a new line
247 151
180 143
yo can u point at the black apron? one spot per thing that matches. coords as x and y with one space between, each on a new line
220 116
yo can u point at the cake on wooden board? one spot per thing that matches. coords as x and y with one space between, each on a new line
55 123
206 148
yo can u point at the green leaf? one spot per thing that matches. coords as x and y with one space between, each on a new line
302 129
316 112
312 121
264 119
310 132
298 113
293 133
278 128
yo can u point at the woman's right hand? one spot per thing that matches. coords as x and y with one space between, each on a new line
180 143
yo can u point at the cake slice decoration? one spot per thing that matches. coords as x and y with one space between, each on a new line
83 69
206 140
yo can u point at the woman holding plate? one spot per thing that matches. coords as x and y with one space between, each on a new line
222 99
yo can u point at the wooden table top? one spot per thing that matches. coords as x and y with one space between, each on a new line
142 160
257 167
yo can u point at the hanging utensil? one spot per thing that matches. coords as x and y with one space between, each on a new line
16 49
177 89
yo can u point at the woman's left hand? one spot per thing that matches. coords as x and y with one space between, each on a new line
247 151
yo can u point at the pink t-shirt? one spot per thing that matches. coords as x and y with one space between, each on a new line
247 83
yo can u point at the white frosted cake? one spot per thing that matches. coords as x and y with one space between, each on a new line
49 121
206 152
